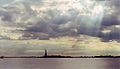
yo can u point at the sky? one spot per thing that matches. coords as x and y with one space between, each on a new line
99 18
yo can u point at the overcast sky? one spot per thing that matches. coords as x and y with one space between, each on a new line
60 17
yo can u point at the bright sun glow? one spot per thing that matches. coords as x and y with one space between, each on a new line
98 9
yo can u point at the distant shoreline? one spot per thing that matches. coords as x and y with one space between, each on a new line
58 56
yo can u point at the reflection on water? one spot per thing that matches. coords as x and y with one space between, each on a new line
60 63
112 64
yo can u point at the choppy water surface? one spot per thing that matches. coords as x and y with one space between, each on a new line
60 63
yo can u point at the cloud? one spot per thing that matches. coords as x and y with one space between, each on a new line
59 17
110 20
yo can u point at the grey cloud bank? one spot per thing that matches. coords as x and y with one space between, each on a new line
58 18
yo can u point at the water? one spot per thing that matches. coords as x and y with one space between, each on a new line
60 63
14 48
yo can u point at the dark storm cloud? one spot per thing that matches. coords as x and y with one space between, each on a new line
113 34
6 16
116 3
110 20
52 27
